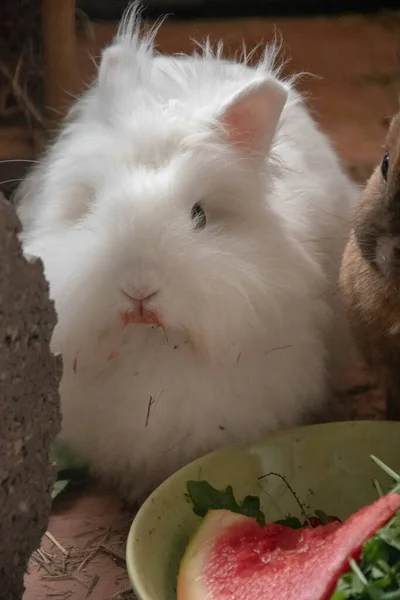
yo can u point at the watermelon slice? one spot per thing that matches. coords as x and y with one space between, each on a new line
232 557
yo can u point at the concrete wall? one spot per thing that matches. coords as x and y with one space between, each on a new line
29 406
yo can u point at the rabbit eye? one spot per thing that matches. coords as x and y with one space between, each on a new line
198 215
385 166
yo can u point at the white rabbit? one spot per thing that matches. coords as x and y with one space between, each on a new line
191 219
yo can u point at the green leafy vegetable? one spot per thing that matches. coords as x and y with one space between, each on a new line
72 473
323 517
204 498
377 574
292 522
59 486
395 476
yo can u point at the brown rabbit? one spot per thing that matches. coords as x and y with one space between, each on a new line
370 275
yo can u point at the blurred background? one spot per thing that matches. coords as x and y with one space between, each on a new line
48 54
48 51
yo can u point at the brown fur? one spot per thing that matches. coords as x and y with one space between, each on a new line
370 274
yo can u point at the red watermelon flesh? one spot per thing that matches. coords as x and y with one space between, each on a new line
231 557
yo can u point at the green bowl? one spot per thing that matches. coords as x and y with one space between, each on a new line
328 466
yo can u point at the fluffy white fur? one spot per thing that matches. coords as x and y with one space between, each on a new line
247 303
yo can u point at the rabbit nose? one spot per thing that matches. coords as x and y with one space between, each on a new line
137 296
146 296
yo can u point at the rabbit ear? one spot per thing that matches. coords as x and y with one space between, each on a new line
110 60
250 118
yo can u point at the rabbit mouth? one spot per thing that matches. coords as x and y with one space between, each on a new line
141 315
388 256
382 252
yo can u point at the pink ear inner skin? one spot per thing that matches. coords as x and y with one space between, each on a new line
245 122
250 121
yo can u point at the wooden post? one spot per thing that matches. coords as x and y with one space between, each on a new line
59 56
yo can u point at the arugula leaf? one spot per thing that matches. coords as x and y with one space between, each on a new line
204 498
59 487
391 533
292 522
374 549
324 518
72 472
251 508
377 574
